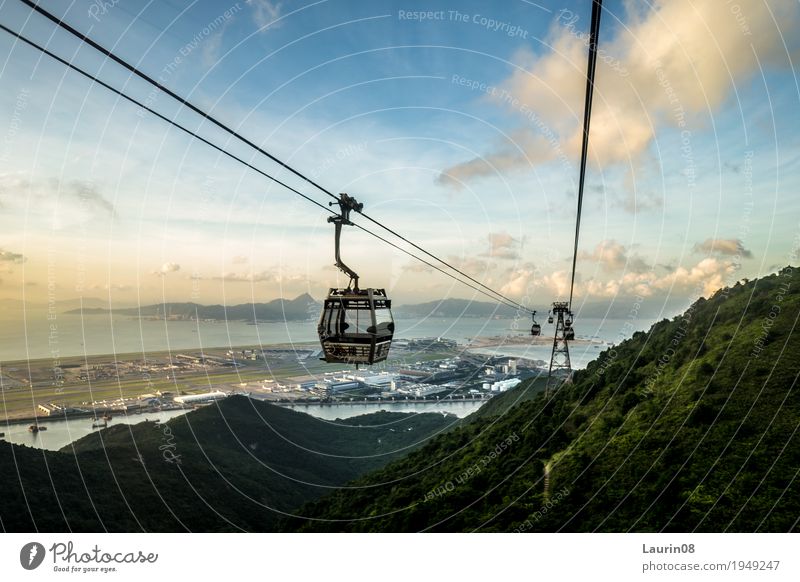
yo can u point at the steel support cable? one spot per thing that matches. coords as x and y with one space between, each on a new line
174 123
156 113
59 22
404 239
587 114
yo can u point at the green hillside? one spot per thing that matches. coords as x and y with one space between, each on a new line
234 466
505 402
690 426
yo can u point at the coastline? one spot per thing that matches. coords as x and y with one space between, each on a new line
287 403
85 381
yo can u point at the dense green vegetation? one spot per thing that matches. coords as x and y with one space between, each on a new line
501 405
234 466
690 426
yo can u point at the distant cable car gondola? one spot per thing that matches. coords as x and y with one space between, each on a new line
549 318
356 325
569 333
536 329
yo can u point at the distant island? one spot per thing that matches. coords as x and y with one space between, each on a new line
301 308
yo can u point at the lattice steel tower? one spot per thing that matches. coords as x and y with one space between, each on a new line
559 358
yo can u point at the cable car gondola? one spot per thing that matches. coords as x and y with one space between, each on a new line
356 325
536 329
569 333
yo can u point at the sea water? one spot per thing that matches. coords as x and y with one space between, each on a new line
89 335
60 433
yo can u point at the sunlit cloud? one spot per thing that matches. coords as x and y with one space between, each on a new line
612 256
9 257
502 246
662 69
265 13
723 246
167 268
61 199
703 278
253 277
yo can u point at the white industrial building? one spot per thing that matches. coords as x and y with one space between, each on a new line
421 390
504 385
200 398
380 381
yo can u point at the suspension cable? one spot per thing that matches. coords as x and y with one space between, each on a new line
401 237
59 22
169 92
156 113
587 114
499 299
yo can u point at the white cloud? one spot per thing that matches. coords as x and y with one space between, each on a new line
723 246
469 265
212 48
519 281
66 201
416 267
709 275
118 287
704 278
167 268
664 68
613 256
265 276
265 13
252 277
9 257
526 281
557 283
502 246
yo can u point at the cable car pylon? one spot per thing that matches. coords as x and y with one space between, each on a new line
559 357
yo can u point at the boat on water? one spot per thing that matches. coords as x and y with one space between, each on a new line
34 428
99 423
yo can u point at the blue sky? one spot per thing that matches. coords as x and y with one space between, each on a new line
459 130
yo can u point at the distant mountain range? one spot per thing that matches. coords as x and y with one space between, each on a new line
301 308
306 307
